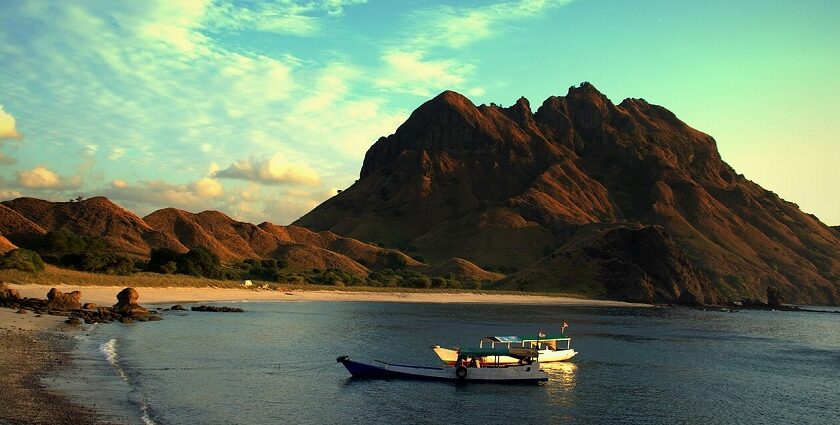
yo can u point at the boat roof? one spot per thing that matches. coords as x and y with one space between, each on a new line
528 338
497 351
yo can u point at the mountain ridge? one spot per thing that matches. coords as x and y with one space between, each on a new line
455 176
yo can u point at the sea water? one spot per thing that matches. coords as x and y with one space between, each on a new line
275 363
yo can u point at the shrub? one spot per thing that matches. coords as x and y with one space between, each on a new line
22 259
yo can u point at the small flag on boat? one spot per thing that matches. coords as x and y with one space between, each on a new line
541 334
565 325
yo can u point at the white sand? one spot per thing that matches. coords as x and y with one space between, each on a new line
106 295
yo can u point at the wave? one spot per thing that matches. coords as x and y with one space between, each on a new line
109 349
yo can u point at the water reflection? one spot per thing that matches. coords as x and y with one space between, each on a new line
561 382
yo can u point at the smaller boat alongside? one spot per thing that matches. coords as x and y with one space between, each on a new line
467 367
551 348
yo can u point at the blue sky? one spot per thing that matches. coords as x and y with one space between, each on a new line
264 109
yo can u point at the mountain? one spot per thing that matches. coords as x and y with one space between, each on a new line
96 217
16 228
625 200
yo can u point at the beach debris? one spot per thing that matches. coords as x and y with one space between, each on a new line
215 309
56 300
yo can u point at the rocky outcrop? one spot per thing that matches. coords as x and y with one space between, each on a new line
56 300
215 309
127 304
8 295
775 299
508 186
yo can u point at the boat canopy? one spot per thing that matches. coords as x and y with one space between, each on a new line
530 338
497 351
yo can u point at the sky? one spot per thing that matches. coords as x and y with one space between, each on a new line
264 109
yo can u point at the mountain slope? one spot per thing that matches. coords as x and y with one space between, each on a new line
96 217
16 228
508 187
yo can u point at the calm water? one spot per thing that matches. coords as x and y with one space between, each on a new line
276 364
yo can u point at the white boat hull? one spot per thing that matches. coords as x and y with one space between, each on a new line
449 356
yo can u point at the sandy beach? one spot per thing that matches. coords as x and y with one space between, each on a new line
30 348
106 295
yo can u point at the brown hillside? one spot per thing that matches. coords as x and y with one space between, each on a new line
18 228
96 217
505 186
235 240
366 254
463 270
5 245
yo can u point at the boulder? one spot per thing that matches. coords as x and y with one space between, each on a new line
127 304
178 307
8 295
775 299
89 306
214 309
56 300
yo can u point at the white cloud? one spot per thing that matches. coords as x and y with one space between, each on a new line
273 170
206 187
42 178
154 194
411 72
116 153
8 127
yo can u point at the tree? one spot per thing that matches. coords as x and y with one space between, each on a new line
23 260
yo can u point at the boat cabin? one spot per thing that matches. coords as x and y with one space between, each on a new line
549 342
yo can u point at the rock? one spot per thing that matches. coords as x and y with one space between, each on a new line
89 306
8 295
73 321
215 309
126 320
775 299
127 304
155 318
56 300
22 311
178 307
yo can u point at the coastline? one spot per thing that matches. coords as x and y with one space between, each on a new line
30 349
106 295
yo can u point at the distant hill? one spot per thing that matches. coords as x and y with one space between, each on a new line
624 201
22 220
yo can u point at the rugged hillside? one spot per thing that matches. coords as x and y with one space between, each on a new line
5 245
463 270
236 240
96 217
510 187
17 228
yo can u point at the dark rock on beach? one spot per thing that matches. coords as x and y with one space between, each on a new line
56 300
178 307
215 309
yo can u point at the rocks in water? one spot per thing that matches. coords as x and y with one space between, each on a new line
126 320
178 307
56 300
88 306
775 299
215 309
73 321
127 304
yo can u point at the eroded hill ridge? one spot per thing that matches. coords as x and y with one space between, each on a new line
623 201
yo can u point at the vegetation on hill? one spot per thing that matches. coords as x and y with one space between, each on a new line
23 260
67 249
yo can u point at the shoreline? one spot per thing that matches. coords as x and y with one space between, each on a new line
31 349
106 295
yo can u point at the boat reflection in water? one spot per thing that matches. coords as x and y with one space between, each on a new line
562 382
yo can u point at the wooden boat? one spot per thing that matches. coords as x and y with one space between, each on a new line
551 348
467 367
